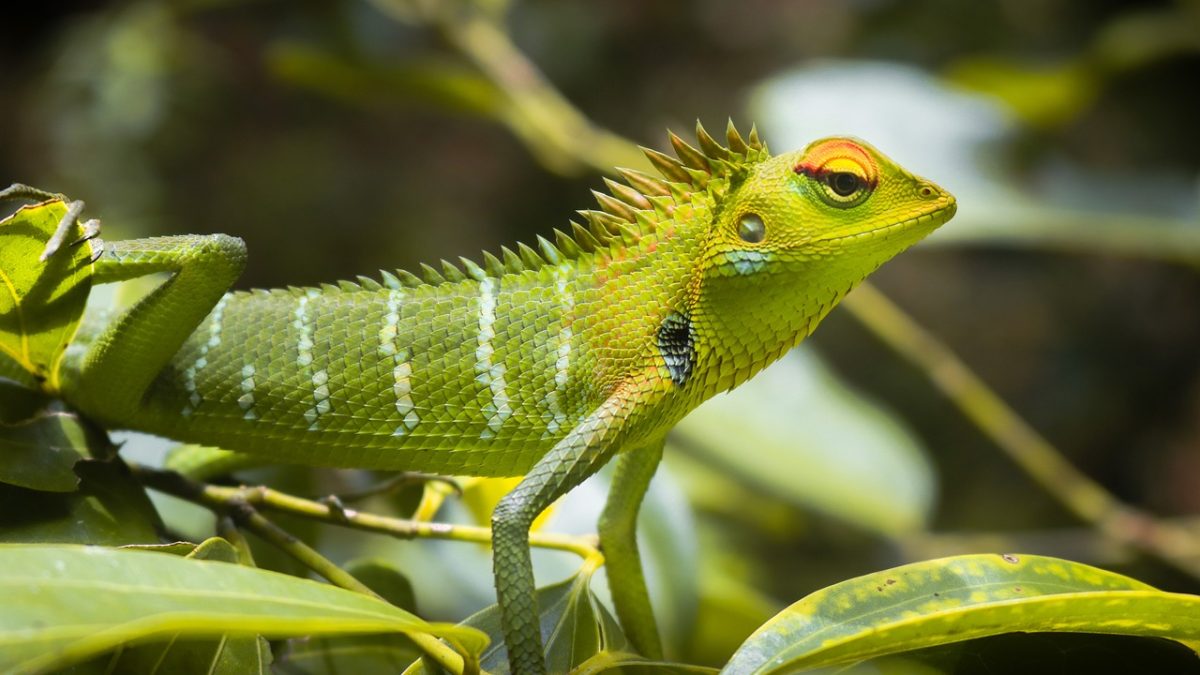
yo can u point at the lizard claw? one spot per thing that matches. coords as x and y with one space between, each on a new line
97 249
91 232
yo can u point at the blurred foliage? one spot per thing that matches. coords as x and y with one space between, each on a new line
1066 127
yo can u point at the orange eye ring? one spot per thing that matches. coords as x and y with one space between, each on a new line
842 171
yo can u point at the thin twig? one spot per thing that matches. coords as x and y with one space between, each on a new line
217 496
1087 499
397 482
553 129
233 502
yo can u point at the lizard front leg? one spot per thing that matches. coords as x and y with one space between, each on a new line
618 539
91 228
580 454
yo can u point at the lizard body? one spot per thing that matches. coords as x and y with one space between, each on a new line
539 363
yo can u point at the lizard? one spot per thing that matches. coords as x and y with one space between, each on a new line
543 363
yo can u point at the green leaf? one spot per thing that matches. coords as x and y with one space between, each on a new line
203 462
954 599
40 453
1045 95
40 443
41 303
66 603
216 549
575 626
347 655
1091 653
383 653
109 508
433 82
625 662
228 654
840 454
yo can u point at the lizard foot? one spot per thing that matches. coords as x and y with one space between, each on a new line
91 232
19 191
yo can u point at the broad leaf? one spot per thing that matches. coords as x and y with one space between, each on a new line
226 655
40 452
1090 653
798 434
347 655
354 654
954 599
202 462
575 627
109 508
66 603
41 303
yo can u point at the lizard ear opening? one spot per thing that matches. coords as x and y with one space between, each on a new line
751 228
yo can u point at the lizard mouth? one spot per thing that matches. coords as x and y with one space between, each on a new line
929 219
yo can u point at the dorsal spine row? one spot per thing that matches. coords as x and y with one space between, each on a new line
626 212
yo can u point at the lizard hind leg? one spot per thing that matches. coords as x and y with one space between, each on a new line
618 540
126 357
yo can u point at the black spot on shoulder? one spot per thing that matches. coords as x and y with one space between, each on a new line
677 344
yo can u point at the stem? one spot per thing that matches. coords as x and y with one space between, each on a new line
234 504
553 129
267 499
1084 497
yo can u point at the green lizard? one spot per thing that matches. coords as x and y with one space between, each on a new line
544 363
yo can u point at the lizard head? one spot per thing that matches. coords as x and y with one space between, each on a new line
796 233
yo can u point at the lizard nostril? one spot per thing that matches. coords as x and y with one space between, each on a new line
927 191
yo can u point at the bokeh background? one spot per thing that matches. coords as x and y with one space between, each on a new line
342 137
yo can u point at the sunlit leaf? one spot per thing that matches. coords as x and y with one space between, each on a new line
954 599
480 496
41 303
66 603
226 655
798 434
203 462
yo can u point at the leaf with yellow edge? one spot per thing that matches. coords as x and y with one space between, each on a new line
953 599
41 303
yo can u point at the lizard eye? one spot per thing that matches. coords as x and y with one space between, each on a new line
751 228
842 186
843 183
841 172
